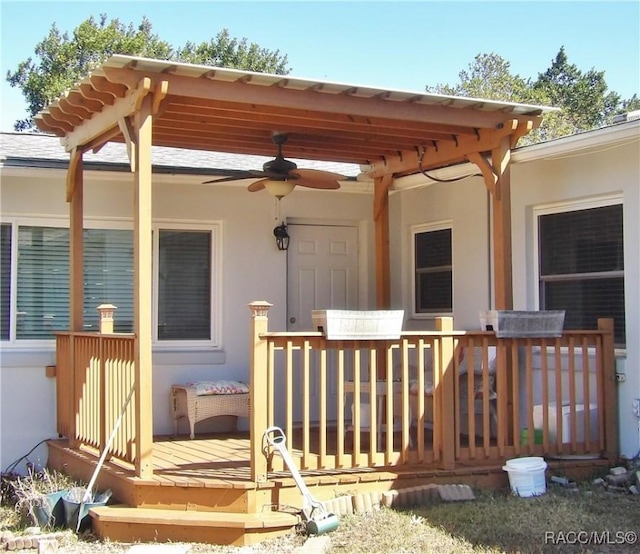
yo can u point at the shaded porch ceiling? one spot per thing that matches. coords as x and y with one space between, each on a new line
206 108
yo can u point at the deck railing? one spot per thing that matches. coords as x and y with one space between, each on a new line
442 398
484 399
95 377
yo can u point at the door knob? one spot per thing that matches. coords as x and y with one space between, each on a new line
292 320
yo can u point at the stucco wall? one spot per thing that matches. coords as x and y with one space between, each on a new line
252 269
590 174
465 205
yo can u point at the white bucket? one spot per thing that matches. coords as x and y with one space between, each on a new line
527 476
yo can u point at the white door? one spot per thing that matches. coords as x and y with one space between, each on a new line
322 274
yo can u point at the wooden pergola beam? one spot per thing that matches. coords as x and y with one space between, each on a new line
353 106
443 154
108 118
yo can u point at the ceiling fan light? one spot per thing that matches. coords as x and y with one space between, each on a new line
279 189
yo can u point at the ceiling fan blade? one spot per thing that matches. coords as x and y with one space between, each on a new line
316 179
255 187
250 174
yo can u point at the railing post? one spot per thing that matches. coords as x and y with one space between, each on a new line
106 318
258 388
605 326
447 393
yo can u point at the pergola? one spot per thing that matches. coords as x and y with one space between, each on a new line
145 102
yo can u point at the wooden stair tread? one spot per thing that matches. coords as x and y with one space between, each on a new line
129 514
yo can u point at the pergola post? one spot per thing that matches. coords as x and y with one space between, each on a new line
501 202
75 197
143 320
497 179
381 222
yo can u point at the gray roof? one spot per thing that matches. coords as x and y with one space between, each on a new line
46 151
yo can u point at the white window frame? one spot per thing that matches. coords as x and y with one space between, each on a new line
426 228
563 207
215 228
215 307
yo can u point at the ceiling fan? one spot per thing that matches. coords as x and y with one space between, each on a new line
280 176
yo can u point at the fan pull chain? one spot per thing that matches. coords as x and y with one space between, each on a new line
277 216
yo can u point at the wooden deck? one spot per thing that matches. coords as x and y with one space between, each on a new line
201 489
450 407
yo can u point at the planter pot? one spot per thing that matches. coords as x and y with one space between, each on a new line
510 323
76 513
48 511
354 324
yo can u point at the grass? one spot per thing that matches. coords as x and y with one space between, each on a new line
559 521
562 520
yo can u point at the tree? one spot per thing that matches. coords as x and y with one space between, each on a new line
224 51
489 77
62 60
583 98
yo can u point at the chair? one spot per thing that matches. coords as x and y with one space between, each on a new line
365 408
462 390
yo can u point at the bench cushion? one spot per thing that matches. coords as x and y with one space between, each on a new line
219 387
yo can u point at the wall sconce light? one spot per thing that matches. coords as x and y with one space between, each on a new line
282 237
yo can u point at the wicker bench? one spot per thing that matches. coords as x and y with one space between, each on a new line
186 403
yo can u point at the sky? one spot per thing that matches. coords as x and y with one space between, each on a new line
400 45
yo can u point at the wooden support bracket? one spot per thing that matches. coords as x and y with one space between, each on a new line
488 172
129 134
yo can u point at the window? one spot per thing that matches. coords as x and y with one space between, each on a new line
184 281
42 297
5 280
433 270
582 266
184 285
108 277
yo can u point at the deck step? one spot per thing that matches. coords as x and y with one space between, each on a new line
129 524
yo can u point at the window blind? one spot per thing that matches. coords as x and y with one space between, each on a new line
43 282
108 277
184 285
582 266
433 279
5 280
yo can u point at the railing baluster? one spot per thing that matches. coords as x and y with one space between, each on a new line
470 400
289 394
586 395
322 409
572 393
544 367
340 405
306 420
513 375
388 447
419 416
373 404
356 407
486 398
